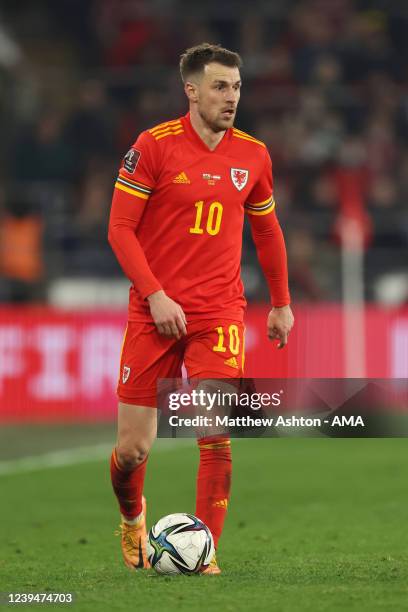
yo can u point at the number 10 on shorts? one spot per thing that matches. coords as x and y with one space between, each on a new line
232 337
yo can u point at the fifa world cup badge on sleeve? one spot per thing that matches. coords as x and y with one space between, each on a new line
131 160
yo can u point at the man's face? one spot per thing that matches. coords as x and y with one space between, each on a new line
217 93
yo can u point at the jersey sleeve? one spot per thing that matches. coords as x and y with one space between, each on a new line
138 171
260 201
268 236
135 183
271 250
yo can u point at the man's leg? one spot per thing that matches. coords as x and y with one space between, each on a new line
217 353
146 356
215 465
214 483
137 426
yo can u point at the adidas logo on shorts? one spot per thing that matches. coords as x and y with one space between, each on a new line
232 362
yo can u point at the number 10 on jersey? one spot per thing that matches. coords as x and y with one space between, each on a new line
214 216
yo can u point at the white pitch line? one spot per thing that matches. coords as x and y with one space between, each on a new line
74 456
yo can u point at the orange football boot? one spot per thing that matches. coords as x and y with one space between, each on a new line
212 568
134 542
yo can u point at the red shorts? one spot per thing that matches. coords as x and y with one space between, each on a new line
211 349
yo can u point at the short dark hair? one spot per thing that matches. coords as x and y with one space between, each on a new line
194 59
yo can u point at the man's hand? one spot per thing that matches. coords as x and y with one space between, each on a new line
280 322
167 315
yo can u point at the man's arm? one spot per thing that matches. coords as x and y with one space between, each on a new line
128 205
123 222
125 216
271 250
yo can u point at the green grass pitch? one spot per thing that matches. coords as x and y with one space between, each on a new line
314 524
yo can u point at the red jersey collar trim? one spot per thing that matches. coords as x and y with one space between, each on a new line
193 136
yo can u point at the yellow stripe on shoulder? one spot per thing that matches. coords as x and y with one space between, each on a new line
171 128
166 124
170 133
247 137
234 129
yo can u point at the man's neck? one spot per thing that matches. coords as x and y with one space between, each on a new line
207 135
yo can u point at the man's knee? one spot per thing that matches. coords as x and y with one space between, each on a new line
130 456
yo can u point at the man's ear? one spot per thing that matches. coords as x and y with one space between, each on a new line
191 91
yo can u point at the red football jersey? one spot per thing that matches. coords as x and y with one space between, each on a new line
192 202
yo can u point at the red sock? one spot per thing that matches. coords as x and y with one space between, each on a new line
128 486
214 483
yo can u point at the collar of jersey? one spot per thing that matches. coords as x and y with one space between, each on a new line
197 141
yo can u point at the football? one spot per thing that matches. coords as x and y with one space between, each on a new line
179 544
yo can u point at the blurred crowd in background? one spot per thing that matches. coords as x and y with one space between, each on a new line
325 86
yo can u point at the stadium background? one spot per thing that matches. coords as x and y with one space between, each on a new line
325 86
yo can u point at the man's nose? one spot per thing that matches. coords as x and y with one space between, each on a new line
232 95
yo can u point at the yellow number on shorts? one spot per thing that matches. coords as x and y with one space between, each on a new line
234 341
213 220
220 348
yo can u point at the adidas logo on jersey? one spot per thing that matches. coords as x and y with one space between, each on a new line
182 178
232 362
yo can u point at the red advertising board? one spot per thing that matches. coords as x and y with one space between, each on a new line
63 366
